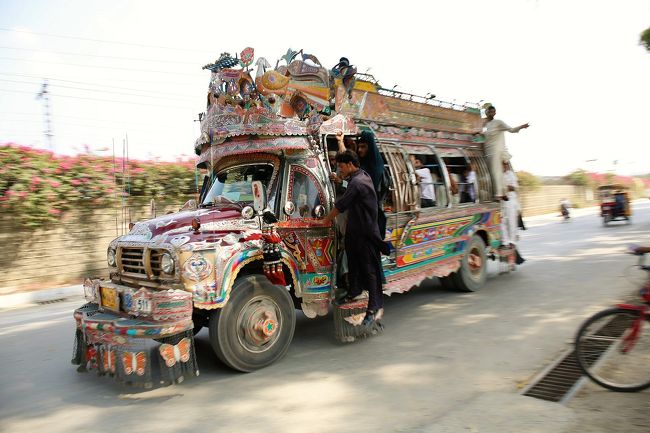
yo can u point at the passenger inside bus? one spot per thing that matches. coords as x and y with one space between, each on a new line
462 174
424 178
437 193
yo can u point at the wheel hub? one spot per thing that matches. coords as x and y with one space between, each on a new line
258 324
474 261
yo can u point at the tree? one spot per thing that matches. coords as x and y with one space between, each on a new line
645 39
578 178
528 181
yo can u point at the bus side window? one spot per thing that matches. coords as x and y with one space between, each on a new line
458 168
483 179
304 193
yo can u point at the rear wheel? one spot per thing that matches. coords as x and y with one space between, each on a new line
473 268
613 349
255 327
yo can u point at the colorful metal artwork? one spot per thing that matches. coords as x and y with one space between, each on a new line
321 251
246 57
197 267
172 306
273 257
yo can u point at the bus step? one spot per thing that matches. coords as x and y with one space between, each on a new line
347 321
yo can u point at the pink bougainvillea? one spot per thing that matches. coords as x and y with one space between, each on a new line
40 186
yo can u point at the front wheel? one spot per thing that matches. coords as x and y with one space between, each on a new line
613 349
255 327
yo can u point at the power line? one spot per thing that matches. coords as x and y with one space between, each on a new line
125 122
81 125
109 92
103 85
4 29
99 67
65 53
104 100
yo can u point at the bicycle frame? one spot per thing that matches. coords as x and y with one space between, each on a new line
630 339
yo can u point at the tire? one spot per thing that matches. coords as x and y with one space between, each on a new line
600 350
255 327
606 219
448 282
201 320
473 268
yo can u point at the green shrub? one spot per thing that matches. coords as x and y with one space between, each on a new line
528 181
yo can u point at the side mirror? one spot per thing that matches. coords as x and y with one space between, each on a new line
289 208
319 211
259 196
247 212
189 205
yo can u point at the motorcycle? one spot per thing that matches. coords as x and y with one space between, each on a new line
564 211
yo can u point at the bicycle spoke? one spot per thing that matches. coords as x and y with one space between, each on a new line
613 349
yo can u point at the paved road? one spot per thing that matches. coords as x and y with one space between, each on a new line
447 362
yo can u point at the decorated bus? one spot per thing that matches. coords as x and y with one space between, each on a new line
253 247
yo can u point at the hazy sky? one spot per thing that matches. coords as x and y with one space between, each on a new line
573 69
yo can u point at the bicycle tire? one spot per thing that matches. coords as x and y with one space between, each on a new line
599 350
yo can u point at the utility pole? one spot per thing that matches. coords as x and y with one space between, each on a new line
45 96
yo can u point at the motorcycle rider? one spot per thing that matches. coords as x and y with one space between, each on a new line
565 204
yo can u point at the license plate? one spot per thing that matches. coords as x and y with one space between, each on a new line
143 305
110 298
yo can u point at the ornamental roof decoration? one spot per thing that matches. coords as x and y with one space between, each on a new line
247 97
290 99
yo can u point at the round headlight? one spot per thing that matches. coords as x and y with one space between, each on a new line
247 212
167 263
110 256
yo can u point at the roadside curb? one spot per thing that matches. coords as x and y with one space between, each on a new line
39 296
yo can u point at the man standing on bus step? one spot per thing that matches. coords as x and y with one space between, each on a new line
495 148
363 244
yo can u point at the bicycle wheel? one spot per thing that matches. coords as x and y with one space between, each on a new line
613 349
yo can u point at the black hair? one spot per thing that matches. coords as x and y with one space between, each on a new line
491 107
347 157
419 158
366 137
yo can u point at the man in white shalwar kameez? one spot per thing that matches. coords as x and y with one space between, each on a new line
510 207
495 147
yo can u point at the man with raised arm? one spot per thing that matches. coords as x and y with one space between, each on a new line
495 148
